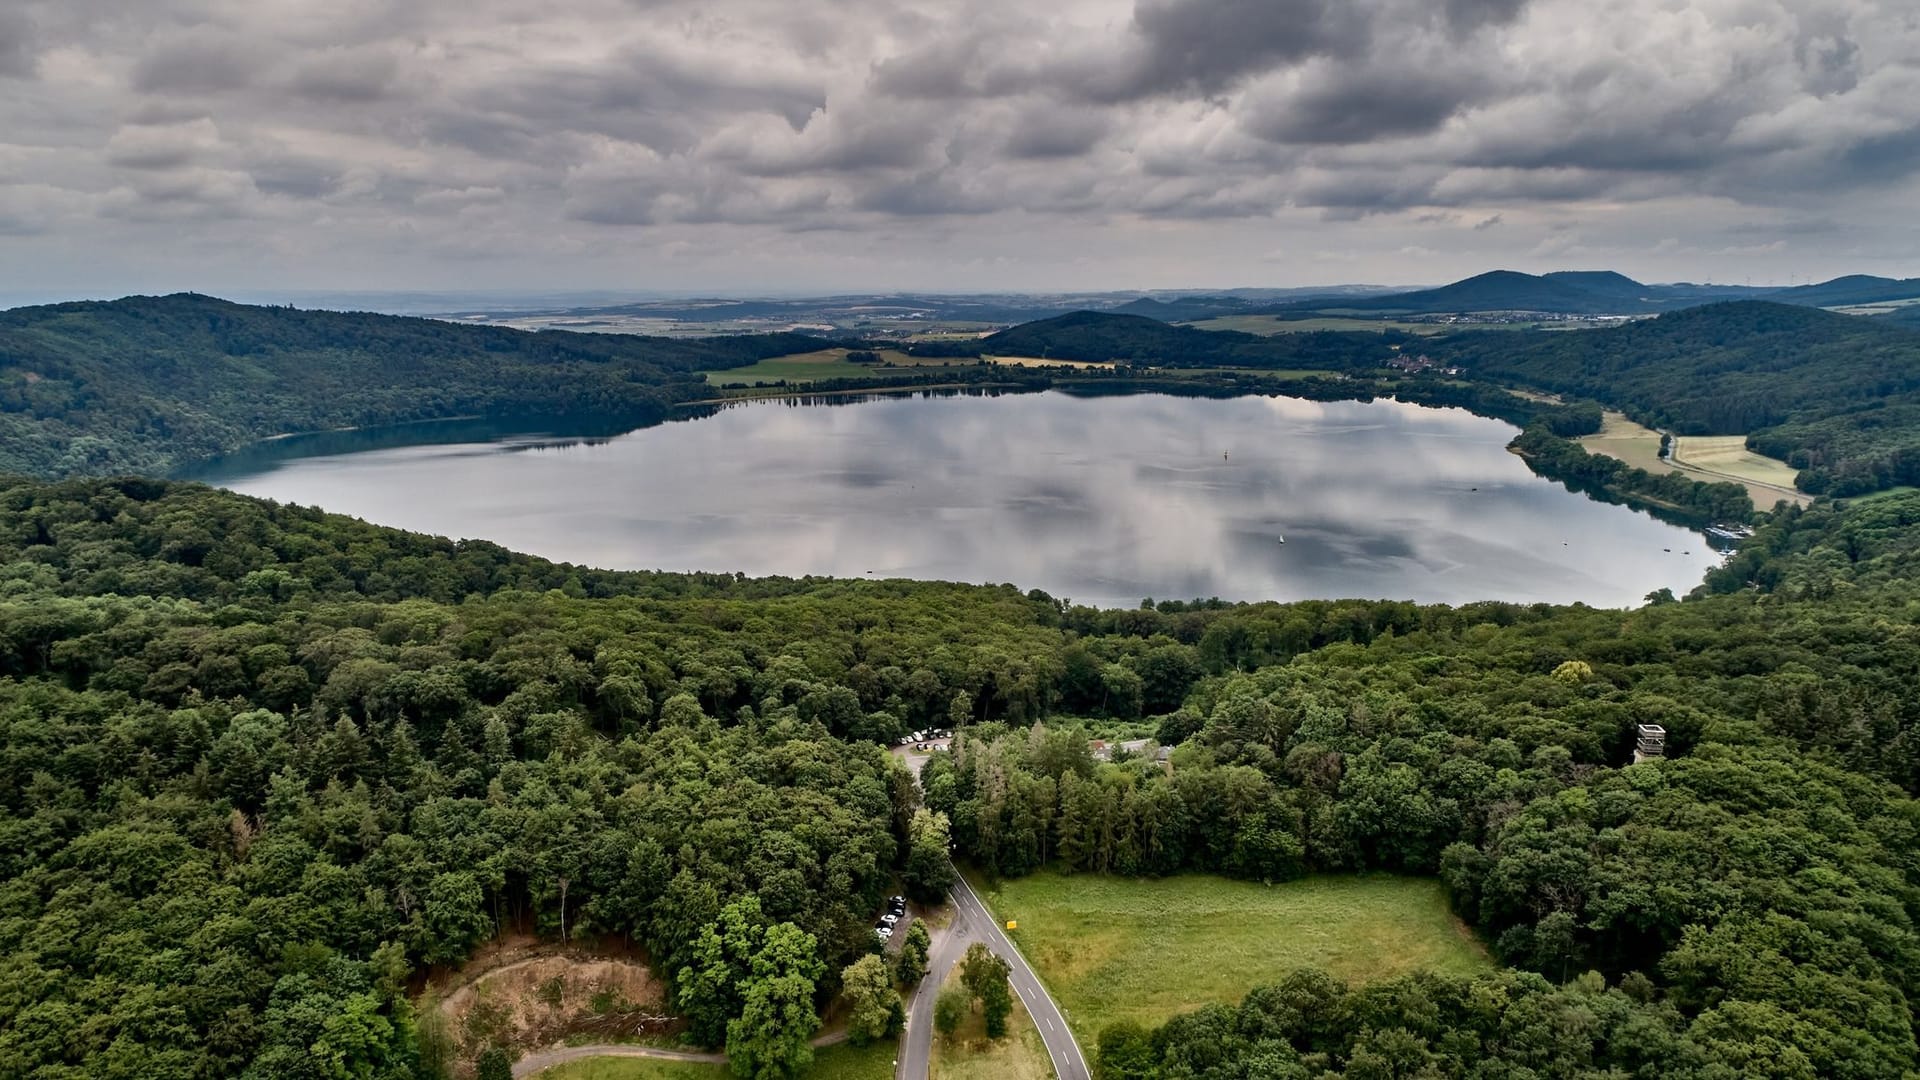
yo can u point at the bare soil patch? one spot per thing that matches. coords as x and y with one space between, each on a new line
525 995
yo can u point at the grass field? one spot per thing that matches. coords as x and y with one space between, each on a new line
1888 493
1621 438
829 1063
1707 458
1729 454
613 1068
970 1055
1036 361
1115 949
1535 395
824 364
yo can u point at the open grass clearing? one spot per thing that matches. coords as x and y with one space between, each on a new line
969 1055
1542 398
829 1063
1888 493
1118 949
1707 458
632 1068
1729 454
1039 361
1621 438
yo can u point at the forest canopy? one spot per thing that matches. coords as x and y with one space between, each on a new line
261 766
150 384
260 762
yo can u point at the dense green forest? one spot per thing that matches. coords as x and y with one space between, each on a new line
261 766
1135 339
149 384
1835 396
259 762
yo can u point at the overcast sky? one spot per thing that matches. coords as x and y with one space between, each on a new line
813 145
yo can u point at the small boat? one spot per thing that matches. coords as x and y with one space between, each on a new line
1283 539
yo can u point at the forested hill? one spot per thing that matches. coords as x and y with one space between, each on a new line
1503 290
148 384
257 762
1102 336
1836 396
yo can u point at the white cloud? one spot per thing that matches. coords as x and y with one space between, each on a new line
954 144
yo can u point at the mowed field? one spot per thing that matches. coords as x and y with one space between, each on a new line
841 1062
1621 438
1115 949
1707 458
1729 454
1037 361
824 364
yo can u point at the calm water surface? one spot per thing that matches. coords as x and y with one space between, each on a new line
1104 500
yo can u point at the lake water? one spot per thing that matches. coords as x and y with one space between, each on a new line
1104 500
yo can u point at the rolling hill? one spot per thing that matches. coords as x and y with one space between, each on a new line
152 384
1563 292
1099 336
1852 289
1834 395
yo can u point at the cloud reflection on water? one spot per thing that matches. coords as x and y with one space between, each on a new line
1104 500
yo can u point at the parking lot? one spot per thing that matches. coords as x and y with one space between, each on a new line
911 752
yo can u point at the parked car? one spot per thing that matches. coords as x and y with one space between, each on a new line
884 932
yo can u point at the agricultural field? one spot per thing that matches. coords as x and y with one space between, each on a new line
813 366
1728 454
1116 949
970 1055
1708 458
1036 361
1632 443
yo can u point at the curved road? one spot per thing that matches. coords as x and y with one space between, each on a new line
973 922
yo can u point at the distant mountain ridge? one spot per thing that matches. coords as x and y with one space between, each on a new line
1564 292
1596 292
1852 289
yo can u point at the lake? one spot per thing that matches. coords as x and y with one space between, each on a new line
1105 500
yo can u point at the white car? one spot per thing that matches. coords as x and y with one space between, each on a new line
884 932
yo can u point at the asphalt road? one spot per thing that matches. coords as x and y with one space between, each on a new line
973 922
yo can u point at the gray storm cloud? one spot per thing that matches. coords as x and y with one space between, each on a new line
941 143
